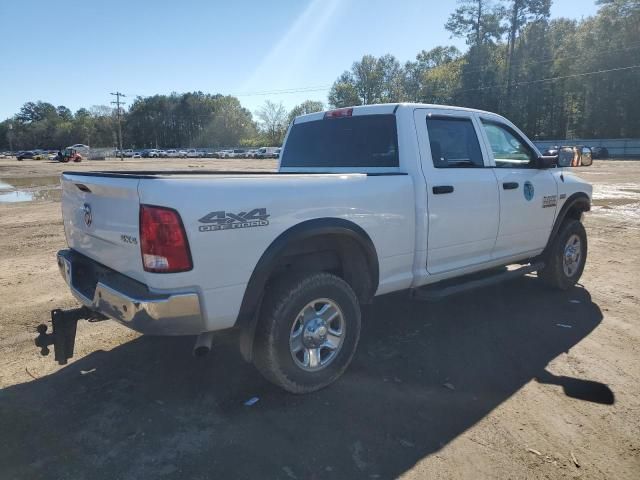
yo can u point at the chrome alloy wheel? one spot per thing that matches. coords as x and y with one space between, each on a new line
317 334
572 255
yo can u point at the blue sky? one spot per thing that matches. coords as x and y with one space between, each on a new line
74 52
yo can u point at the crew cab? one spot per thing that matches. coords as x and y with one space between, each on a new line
366 200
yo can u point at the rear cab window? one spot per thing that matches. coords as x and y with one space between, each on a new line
359 141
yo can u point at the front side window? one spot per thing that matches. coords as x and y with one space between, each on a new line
454 143
509 150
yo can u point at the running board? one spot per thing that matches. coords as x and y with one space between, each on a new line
445 288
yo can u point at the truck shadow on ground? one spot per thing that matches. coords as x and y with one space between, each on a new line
424 373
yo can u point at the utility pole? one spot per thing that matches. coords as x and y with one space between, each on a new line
117 104
10 135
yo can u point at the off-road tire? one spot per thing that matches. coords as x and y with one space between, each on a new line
553 273
283 301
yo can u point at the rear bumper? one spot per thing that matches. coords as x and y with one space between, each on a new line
129 301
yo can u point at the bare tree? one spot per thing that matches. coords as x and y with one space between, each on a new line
273 121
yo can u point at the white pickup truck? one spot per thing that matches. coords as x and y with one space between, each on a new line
367 200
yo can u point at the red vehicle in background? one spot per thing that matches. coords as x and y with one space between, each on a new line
69 155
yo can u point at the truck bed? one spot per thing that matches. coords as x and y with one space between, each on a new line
151 174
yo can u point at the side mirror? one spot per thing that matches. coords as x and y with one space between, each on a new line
544 162
566 157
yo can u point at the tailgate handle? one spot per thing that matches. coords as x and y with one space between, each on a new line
83 187
440 189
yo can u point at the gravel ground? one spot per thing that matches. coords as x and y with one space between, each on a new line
512 381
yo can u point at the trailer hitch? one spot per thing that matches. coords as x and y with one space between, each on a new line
63 336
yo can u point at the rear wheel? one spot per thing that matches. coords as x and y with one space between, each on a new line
566 257
307 332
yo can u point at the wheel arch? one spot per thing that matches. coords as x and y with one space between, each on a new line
320 244
573 207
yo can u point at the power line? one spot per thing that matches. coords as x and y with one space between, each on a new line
119 112
320 88
551 79
519 63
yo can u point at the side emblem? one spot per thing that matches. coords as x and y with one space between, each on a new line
88 217
221 220
528 191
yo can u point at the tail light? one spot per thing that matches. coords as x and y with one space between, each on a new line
339 113
163 241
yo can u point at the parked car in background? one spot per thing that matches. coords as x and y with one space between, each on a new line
163 153
239 153
26 155
251 153
172 153
599 152
267 152
193 153
225 154
136 155
182 153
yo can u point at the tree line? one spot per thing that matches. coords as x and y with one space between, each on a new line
192 119
555 78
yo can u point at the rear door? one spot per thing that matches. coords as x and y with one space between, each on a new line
528 195
101 220
462 193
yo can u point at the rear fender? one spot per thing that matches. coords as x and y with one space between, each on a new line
270 261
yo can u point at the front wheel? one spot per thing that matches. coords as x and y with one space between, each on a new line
566 257
308 332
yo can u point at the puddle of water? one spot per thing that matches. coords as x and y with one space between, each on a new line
18 196
22 189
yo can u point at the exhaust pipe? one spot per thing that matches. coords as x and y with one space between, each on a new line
203 344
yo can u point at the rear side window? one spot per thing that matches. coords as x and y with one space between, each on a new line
359 141
454 143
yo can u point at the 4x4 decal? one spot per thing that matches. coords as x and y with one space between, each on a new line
222 220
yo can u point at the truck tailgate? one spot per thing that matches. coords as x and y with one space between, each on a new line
101 220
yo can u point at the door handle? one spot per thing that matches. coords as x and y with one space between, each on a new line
510 185
440 189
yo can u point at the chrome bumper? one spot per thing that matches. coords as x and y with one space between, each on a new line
128 301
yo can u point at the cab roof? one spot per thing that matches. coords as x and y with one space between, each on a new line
385 108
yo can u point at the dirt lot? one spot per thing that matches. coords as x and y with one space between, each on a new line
512 381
